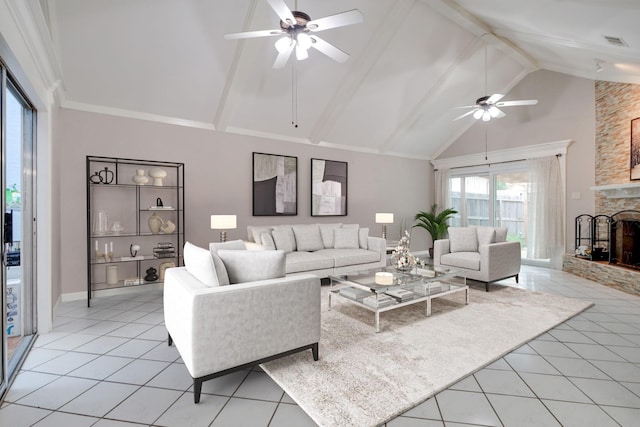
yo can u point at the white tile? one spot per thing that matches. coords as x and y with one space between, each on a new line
101 345
522 411
27 382
101 367
101 399
145 405
579 414
174 376
162 352
151 318
133 348
70 342
38 356
466 407
58 419
21 416
291 415
66 363
185 413
57 393
156 333
129 330
258 385
245 413
138 372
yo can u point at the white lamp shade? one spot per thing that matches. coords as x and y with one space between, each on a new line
223 222
384 218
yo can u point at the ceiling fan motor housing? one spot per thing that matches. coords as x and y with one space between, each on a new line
300 24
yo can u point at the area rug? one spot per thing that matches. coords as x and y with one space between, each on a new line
364 378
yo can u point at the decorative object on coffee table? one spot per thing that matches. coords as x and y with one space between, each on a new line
401 258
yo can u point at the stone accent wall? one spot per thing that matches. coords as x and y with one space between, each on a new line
616 105
621 278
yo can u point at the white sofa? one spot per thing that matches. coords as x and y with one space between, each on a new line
481 252
321 249
219 328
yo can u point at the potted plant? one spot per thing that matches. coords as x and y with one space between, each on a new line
435 223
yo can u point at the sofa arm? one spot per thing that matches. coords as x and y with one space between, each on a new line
500 260
223 327
379 245
440 247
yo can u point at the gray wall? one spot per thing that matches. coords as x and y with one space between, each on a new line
218 179
566 110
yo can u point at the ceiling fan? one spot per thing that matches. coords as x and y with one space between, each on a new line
296 29
486 107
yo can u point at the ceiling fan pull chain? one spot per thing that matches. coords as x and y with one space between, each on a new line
294 95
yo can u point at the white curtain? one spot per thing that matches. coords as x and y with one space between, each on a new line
545 235
442 188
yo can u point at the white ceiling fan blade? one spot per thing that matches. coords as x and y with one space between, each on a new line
281 9
251 34
349 17
494 98
521 102
468 113
496 113
466 106
328 49
283 56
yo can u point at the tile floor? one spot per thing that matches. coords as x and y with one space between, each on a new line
109 365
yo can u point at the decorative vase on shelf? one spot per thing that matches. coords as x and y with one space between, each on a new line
401 258
168 227
158 174
139 178
155 222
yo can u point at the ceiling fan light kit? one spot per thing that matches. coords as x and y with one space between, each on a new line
295 26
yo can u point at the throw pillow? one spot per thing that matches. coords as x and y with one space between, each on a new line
326 231
363 238
308 237
249 266
501 234
198 262
463 239
346 238
266 239
256 232
486 235
221 271
284 239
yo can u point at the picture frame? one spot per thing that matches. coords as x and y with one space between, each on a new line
329 187
634 155
275 185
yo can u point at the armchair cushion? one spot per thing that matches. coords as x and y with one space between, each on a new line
463 239
501 235
468 260
486 235
221 270
199 263
251 266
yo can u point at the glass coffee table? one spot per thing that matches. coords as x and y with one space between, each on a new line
394 289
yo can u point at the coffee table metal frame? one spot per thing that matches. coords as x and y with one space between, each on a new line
452 280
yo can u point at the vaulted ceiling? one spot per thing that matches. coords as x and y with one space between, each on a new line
412 62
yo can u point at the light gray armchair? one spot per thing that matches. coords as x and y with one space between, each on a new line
221 329
480 252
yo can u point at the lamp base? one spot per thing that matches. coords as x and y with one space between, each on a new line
223 236
384 231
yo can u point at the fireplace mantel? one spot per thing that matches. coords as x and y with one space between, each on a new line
619 191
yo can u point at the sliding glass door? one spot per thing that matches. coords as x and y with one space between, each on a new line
18 233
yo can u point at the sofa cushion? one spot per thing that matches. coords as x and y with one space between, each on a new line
463 239
468 260
346 238
307 261
284 239
308 237
363 238
199 264
344 257
486 235
221 270
249 266
254 232
326 231
501 234
266 239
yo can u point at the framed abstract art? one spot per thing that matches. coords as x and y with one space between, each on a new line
275 185
328 188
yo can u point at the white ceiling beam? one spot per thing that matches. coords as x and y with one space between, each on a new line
227 99
396 14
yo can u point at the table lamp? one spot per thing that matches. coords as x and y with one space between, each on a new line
222 223
384 219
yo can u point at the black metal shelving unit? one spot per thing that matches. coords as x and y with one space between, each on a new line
110 189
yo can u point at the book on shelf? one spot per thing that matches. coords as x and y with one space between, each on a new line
134 281
356 294
428 288
379 301
400 294
160 208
